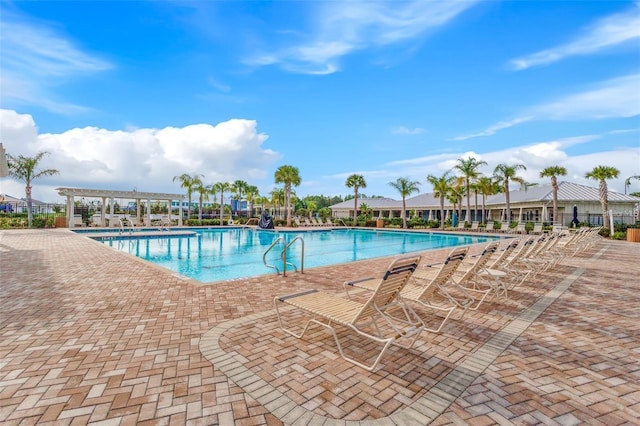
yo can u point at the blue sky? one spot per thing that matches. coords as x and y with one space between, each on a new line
130 94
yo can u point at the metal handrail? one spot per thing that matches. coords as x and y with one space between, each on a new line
264 256
283 255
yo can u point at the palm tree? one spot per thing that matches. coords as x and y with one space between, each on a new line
25 169
486 186
239 188
203 191
441 185
277 198
454 196
366 210
213 191
553 172
312 206
189 183
252 195
503 174
263 201
289 176
601 174
469 170
405 187
474 188
222 187
356 182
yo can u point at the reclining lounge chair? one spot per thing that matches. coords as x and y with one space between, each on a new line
429 289
328 310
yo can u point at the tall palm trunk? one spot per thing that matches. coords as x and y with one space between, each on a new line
221 207
404 213
554 185
507 201
484 210
604 200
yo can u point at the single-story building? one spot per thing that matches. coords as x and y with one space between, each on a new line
532 205
9 204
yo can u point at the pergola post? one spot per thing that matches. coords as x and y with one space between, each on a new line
112 223
148 211
70 211
180 212
103 212
169 210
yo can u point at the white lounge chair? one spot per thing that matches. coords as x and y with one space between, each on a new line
329 311
429 288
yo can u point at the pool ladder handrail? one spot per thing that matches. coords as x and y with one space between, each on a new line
283 256
121 226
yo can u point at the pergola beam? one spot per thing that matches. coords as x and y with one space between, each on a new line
103 194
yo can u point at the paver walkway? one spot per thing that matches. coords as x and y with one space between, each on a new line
92 335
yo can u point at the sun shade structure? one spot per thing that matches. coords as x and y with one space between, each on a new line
105 194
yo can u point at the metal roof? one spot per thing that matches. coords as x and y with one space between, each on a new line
6 198
567 191
374 203
428 200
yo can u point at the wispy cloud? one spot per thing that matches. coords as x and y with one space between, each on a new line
36 58
494 128
536 156
613 98
402 130
341 28
607 32
219 86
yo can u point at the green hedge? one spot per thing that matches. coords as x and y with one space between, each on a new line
20 221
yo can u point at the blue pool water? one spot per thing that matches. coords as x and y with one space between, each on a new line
223 254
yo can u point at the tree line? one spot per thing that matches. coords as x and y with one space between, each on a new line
454 185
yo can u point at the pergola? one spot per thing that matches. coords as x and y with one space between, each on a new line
71 193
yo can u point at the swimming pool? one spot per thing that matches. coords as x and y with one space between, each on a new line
223 254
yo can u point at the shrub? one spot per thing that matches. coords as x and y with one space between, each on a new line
395 222
617 235
39 222
415 222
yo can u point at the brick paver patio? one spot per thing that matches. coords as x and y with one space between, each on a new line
91 335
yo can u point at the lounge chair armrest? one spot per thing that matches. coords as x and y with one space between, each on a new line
354 282
293 296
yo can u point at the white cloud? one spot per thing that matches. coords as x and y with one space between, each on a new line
145 158
36 59
494 128
402 130
618 97
608 32
341 28
625 156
